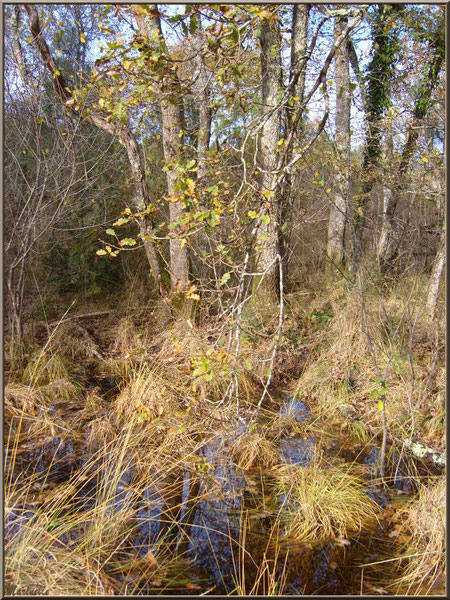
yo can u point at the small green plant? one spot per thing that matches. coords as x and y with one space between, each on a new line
379 392
319 318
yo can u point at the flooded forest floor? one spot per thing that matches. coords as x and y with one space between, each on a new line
131 470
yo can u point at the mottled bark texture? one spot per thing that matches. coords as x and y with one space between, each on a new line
297 77
17 45
299 48
267 233
436 277
338 211
141 198
202 92
172 119
171 101
202 96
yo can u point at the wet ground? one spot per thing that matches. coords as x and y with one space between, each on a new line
211 504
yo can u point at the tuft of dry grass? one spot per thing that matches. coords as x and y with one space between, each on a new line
129 342
21 399
145 396
73 340
340 375
46 367
251 449
265 575
73 541
323 503
425 527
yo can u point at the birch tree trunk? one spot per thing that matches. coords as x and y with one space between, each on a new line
171 102
436 276
299 47
267 232
202 89
172 119
142 197
299 61
338 211
202 95
17 45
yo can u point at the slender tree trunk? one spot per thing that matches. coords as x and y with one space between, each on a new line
267 233
299 61
299 47
15 287
172 118
142 198
387 246
203 98
202 91
18 50
338 211
172 122
436 276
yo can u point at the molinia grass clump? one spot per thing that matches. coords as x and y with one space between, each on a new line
76 533
145 396
20 399
251 449
322 504
46 367
71 339
425 526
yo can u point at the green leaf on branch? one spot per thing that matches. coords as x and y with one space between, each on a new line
127 242
225 277
120 222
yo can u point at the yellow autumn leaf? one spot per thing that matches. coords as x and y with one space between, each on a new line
190 184
380 405
329 191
